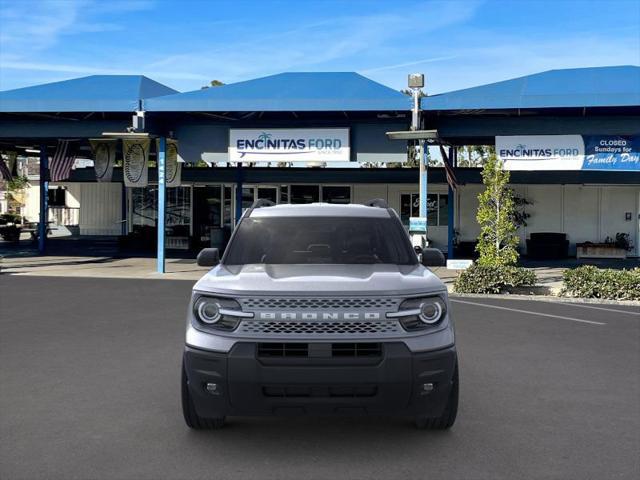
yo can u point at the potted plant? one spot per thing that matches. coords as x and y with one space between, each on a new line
611 247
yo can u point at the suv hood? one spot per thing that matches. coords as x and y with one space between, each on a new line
262 279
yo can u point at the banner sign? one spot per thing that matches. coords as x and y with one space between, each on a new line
541 152
610 152
173 167
104 157
569 152
136 162
289 145
418 225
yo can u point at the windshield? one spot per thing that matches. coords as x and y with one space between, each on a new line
320 240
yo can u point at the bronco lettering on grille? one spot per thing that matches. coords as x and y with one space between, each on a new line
319 316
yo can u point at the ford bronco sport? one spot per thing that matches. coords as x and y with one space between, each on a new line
319 309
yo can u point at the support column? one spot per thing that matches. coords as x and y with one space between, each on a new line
162 190
44 199
422 212
124 231
450 207
239 179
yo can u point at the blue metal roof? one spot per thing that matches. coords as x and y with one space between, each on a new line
96 93
298 92
577 87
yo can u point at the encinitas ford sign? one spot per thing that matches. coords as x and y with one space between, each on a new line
289 145
541 152
569 152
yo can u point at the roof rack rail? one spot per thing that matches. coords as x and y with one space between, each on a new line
376 202
259 203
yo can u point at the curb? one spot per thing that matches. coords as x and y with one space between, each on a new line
549 298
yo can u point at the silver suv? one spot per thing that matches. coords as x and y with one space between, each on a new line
319 309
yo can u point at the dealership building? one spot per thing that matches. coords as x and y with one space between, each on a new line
570 137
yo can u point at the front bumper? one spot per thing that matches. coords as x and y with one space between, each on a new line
392 380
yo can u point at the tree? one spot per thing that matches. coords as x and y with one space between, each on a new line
15 194
213 83
474 155
497 242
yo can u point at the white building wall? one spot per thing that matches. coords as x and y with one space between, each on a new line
583 212
581 215
546 210
615 203
32 202
100 208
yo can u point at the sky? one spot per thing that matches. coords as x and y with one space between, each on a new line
185 44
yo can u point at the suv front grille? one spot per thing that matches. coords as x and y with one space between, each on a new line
342 350
254 327
283 349
318 303
319 391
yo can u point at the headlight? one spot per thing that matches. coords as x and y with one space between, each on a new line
420 313
208 310
220 313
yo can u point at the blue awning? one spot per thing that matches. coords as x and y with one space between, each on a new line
570 88
288 92
96 93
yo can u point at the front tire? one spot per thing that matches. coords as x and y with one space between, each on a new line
448 417
191 417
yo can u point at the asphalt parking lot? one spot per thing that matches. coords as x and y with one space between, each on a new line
89 389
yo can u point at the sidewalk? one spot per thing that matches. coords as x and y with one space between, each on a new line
179 269
101 267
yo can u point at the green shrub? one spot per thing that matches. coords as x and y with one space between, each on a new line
592 282
493 279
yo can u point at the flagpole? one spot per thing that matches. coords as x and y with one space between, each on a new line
44 199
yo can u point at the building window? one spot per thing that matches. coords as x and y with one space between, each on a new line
284 193
437 208
227 214
57 197
409 207
336 194
144 207
305 193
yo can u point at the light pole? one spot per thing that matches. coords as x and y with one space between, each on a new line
419 229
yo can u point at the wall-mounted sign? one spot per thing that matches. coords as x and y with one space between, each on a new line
610 152
104 158
289 145
541 152
418 225
135 153
459 264
569 152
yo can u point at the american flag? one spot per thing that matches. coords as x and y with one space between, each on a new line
62 161
4 170
451 175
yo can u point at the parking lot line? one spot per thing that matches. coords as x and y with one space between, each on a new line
528 312
600 308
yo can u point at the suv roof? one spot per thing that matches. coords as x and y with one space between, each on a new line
320 210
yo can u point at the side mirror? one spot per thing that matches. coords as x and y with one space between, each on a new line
432 257
208 257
